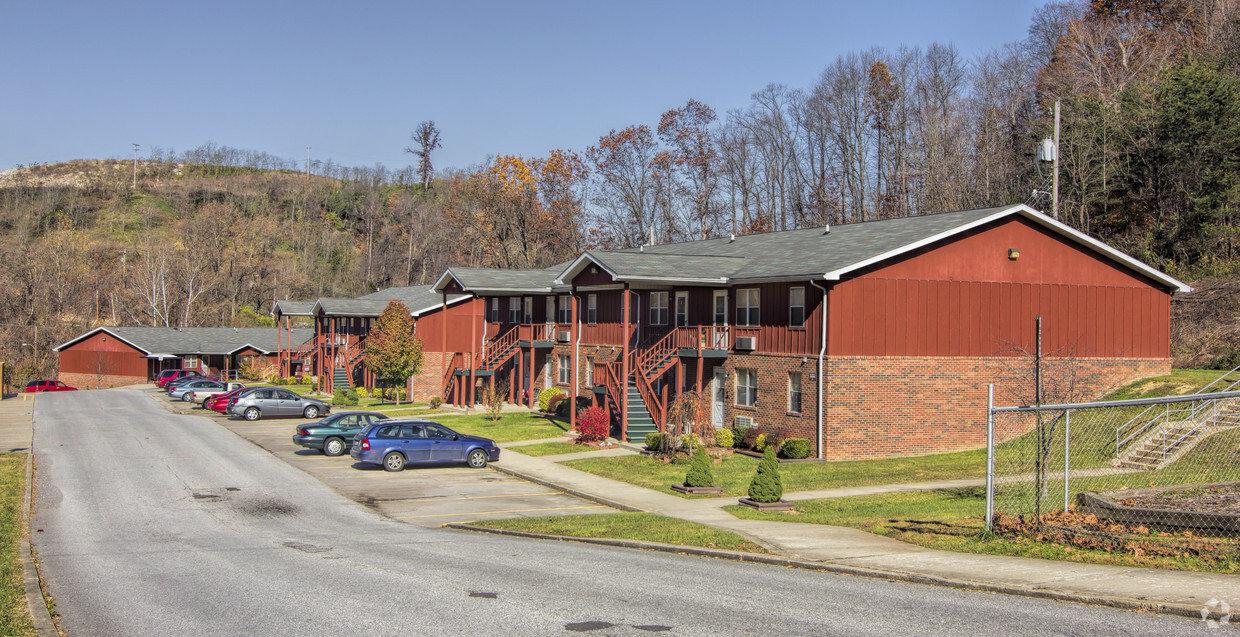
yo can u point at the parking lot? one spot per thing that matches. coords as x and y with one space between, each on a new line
428 495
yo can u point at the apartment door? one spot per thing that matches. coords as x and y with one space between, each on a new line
720 331
717 393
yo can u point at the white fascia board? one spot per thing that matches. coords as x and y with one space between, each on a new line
450 301
579 265
444 279
1032 215
96 331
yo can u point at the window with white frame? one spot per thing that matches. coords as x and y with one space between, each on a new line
589 372
658 308
794 392
189 361
747 307
592 309
514 309
796 307
746 388
566 369
566 309
495 309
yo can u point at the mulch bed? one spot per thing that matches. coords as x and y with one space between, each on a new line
1224 500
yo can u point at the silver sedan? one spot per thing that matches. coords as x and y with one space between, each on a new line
272 401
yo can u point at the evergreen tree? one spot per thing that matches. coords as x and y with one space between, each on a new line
700 474
766 486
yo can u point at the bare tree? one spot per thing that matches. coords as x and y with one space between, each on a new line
426 136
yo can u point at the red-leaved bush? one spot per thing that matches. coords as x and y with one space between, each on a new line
593 424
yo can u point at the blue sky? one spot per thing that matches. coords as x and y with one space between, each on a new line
351 80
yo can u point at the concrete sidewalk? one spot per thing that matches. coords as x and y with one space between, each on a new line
850 550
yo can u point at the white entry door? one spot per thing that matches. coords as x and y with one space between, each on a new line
717 391
720 332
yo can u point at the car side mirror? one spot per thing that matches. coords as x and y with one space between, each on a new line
456 437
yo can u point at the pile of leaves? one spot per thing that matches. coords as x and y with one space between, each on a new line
1072 529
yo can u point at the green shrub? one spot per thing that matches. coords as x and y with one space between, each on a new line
759 443
345 397
561 408
766 486
545 396
654 439
553 405
690 441
796 448
362 393
436 402
723 437
749 438
775 438
699 473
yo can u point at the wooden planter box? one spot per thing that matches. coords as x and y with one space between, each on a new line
680 488
782 505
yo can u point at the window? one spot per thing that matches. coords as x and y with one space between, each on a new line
189 362
721 307
438 433
796 307
566 309
746 388
747 314
412 431
589 372
495 309
592 309
514 310
682 309
658 308
794 392
566 368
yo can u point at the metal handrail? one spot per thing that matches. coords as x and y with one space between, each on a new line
1142 429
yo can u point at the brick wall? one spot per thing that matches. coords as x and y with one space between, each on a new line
92 381
771 408
428 381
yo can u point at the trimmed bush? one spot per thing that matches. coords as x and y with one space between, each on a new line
345 397
766 486
653 440
362 393
723 438
759 443
544 398
436 402
690 441
700 474
593 424
561 409
795 448
749 439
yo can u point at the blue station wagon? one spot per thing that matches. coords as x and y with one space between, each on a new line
394 444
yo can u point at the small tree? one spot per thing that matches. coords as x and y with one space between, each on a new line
393 353
700 474
766 486
493 400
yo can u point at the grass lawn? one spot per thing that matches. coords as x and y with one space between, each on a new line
14 616
646 527
509 428
551 449
1181 381
736 471
952 520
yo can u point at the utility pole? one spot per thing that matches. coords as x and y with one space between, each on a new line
135 166
1055 180
307 163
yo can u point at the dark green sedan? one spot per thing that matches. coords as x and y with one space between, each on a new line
333 435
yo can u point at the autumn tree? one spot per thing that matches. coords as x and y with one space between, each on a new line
686 131
624 188
426 136
392 351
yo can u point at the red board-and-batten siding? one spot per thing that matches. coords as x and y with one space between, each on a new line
968 298
103 354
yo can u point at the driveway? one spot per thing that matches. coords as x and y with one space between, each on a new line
426 496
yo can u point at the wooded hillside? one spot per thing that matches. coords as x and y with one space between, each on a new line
1150 162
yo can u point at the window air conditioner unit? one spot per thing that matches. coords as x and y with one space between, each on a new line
746 342
563 337
743 421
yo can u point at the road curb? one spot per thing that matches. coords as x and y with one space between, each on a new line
573 492
39 614
1123 603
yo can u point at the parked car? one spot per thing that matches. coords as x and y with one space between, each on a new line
220 402
334 435
181 382
169 375
394 444
270 401
35 386
182 391
201 394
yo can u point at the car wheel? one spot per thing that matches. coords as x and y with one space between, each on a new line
252 413
393 461
476 459
187 398
333 447
311 412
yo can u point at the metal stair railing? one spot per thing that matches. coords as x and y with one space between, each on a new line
1135 429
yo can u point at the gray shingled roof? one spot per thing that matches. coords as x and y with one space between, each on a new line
350 307
199 340
817 253
501 281
294 308
418 298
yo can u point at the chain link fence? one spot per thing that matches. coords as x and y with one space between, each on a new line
1160 473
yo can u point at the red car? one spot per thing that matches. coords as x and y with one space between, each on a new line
47 385
169 375
220 403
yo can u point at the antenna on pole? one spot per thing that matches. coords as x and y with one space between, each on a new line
135 166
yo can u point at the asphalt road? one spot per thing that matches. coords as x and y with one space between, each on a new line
151 523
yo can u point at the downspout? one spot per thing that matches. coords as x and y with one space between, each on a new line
572 409
822 351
